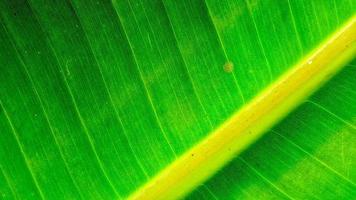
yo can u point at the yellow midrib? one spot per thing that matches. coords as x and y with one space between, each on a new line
248 124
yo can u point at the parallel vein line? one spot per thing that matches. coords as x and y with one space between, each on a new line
8 182
46 116
224 50
331 113
265 179
218 96
210 192
300 46
147 93
186 65
165 68
314 158
22 151
75 104
259 39
85 129
117 115
81 120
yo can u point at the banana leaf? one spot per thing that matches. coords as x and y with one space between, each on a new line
309 155
97 97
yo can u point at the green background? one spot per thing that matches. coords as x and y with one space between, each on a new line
98 96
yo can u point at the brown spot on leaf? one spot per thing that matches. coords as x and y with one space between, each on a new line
228 67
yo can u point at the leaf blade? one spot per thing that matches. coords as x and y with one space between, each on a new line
244 127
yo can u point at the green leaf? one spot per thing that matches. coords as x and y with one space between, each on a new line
308 155
98 97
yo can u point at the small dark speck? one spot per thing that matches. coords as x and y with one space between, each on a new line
228 67
192 154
